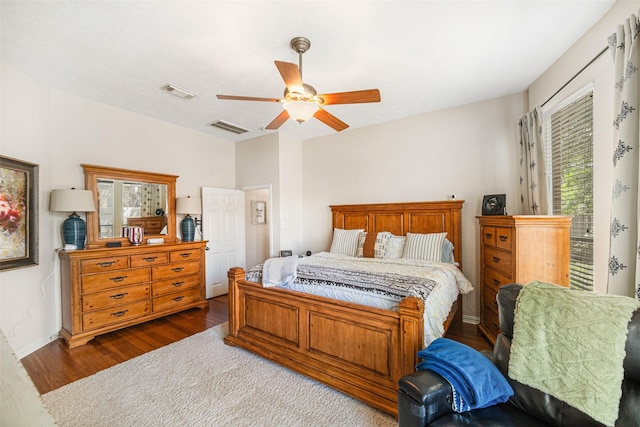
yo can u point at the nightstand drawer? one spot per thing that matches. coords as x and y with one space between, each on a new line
500 260
121 313
99 265
113 297
490 321
176 300
98 282
149 259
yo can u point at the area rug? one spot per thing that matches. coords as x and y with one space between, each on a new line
200 381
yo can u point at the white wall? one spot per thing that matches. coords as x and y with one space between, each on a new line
468 151
291 211
59 131
600 73
256 235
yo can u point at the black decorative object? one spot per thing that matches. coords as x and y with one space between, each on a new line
494 204
159 212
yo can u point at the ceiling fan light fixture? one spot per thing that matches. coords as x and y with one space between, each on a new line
300 111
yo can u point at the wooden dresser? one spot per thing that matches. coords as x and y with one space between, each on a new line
150 224
111 288
519 249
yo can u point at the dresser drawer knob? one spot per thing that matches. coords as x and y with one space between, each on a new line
177 269
495 304
119 296
176 284
496 281
119 313
106 263
177 299
496 327
503 238
496 259
488 235
118 279
150 259
185 254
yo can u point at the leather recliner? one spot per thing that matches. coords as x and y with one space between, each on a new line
424 397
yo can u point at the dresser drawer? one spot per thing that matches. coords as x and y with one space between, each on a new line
175 285
121 313
489 236
149 259
496 279
185 255
500 260
115 296
504 238
98 265
489 299
174 270
490 320
98 282
176 300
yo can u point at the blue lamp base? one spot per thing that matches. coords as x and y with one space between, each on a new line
74 231
188 228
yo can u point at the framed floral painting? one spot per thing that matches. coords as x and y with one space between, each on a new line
18 214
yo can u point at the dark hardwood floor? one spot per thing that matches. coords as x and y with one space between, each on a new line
54 365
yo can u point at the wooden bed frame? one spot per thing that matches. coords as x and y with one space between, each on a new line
361 351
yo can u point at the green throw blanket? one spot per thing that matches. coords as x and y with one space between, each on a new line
571 345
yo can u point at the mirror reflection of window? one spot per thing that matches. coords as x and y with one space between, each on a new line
105 198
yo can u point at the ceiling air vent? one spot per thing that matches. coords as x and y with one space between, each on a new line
220 124
180 93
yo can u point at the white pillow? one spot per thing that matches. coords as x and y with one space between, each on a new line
395 247
426 247
345 241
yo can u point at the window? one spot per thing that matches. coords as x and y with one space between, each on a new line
569 149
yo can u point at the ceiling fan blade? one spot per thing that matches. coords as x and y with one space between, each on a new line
291 76
247 98
355 97
330 120
278 121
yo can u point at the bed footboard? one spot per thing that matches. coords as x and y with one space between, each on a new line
360 351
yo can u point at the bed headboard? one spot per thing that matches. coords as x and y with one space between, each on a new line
403 218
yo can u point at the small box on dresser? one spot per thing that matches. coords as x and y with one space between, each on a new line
520 249
111 288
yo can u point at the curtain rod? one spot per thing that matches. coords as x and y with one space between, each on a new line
576 75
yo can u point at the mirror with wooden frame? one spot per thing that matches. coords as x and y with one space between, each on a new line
126 198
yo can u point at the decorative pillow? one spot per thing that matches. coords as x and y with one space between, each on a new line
447 252
426 247
373 245
345 241
361 238
395 247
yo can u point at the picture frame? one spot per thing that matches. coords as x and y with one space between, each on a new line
258 212
286 253
19 206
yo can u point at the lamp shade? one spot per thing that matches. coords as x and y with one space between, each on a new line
300 110
187 205
71 201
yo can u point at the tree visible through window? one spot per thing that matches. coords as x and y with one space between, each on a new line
570 160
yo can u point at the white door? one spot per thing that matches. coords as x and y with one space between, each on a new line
223 227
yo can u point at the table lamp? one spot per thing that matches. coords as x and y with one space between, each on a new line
74 229
187 206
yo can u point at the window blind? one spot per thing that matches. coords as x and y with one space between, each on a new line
572 182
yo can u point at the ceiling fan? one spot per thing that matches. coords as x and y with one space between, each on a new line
301 101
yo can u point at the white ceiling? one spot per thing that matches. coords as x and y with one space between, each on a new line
422 55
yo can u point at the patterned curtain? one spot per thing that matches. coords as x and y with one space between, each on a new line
624 249
533 184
